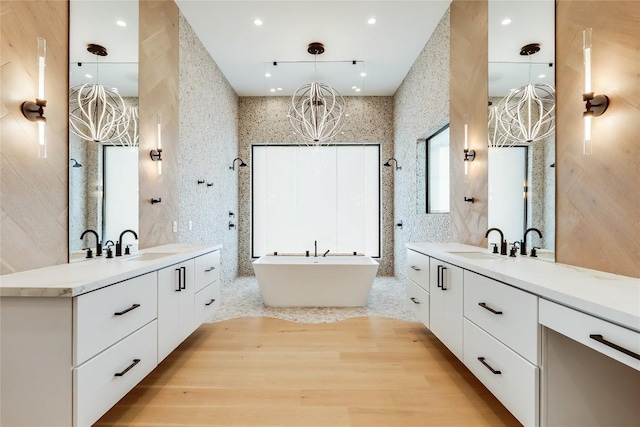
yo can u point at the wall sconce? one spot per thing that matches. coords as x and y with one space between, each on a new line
233 164
595 105
469 155
34 111
387 164
156 154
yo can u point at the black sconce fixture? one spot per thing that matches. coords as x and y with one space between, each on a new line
387 164
595 105
75 163
34 110
233 164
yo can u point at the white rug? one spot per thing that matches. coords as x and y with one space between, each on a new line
241 298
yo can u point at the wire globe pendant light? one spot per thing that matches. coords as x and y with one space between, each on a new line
130 137
95 112
527 113
317 111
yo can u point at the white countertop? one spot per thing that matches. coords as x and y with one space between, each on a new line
70 280
608 296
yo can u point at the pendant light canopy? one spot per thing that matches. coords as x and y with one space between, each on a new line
317 111
95 112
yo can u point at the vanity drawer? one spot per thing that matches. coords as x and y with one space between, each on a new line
418 301
96 385
103 317
418 268
619 343
207 269
507 313
207 302
514 381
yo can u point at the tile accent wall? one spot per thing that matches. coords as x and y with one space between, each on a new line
264 120
208 143
421 107
33 194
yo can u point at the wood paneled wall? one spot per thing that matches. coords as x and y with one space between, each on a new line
158 94
598 196
34 191
468 95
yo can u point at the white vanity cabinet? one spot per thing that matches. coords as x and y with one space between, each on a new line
445 305
75 338
207 274
418 285
176 306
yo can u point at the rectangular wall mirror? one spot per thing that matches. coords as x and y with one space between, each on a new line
103 175
522 171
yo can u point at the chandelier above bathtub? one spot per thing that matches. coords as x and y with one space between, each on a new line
317 111
527 113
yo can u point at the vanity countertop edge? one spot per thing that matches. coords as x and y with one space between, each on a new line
70 280
608 296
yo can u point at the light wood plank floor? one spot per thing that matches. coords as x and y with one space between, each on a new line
258 371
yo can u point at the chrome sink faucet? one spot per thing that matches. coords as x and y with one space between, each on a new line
503 243
119 242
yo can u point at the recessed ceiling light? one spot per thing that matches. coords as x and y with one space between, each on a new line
267 74
542 76
358 89
89 76
279 88
121 23
371 21
363 74
257 22
506 21
272 90
354 87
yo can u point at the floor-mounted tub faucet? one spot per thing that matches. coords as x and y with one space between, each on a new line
503 243
523 244
119 242
315 250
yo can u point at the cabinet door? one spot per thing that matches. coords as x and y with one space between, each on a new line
169 294
187 300
446 304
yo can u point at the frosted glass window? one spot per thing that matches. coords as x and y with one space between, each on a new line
327 194
438 172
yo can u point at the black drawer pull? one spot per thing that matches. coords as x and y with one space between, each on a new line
209 269
442 269
415 268
484 305
415 301
133 307
135 362
493 371
601 339
184 277
179 280
210 302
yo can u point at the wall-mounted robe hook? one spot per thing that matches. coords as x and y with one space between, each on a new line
158 200
469 199
231 225
231 214
399 224
200 181
209 184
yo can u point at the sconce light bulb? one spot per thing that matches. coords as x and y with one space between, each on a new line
466 167
42 142
586 47
159 131
587 147
42 51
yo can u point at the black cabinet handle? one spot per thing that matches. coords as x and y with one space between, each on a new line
484 305
415 301
601 339
493 371
442 279
210 302
209 269
179 280
184 277
133 307
415 268
438 277
128 368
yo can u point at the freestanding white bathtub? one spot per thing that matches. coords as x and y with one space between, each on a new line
299 281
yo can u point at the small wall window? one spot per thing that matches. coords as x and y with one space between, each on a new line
437 148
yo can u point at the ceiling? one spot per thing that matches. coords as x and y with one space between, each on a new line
244 51
385 51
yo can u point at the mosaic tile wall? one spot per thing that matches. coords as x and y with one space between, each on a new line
208 144
263 120
421 107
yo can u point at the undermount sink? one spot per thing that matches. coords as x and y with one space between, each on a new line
475 255
148 256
